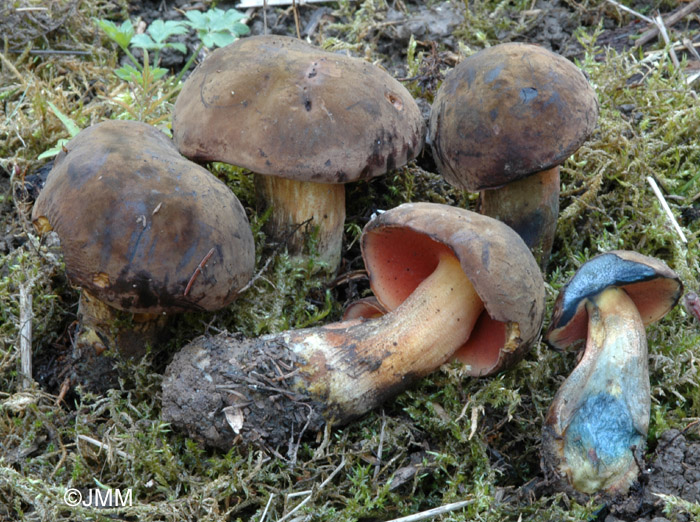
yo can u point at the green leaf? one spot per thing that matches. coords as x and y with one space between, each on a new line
181 47
144 42
157 73
240 29
129 73
220 39
161 31
196 19
50 153
217 28
69 124
122 34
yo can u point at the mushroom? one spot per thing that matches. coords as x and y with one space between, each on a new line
444 273
502 122
306 121
143 230
597 424
364 308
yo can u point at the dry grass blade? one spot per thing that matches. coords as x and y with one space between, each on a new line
432 513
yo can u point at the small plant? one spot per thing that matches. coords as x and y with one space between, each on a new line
70 126
156 36
215 28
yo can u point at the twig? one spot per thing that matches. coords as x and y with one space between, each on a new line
690 46
380 449
52 51
666 208
65 386
447 508
104 446
323 485
631 11
267 506
664 34
296 18
25 331
300 493
198 271
670 20
12 68
264 16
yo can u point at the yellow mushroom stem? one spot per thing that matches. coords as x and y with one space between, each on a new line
357 364
295 203
104 327
272 388
600 416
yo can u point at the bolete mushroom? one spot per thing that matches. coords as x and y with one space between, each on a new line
306 121
502 122
364 308
445 273
597 424
143 230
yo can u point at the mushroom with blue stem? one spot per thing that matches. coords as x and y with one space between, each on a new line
597 424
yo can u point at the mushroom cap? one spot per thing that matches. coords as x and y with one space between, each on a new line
279 106
651 284
402 246
136 219
509 111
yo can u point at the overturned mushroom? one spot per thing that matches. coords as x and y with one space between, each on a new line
597 425
502 122
306 121
143 231
446 274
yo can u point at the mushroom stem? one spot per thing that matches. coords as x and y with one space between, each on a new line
102 327
294 203
372 358
599 418
331 373
530 206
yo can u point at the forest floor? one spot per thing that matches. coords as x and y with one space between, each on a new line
449 439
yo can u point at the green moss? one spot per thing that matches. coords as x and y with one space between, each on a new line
449 438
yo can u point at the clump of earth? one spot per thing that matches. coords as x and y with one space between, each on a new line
674 469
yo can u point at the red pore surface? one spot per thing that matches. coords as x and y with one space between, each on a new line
482 350
398 260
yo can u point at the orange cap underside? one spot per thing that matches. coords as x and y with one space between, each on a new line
398 260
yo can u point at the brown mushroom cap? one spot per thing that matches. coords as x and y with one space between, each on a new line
279 106
402 246
509 111
136 219
652 285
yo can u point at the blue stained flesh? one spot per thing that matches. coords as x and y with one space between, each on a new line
603 424
592 278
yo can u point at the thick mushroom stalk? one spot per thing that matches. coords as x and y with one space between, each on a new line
511 114
272 388
598 420
284 108
145 234
597 424
529 206
294 203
